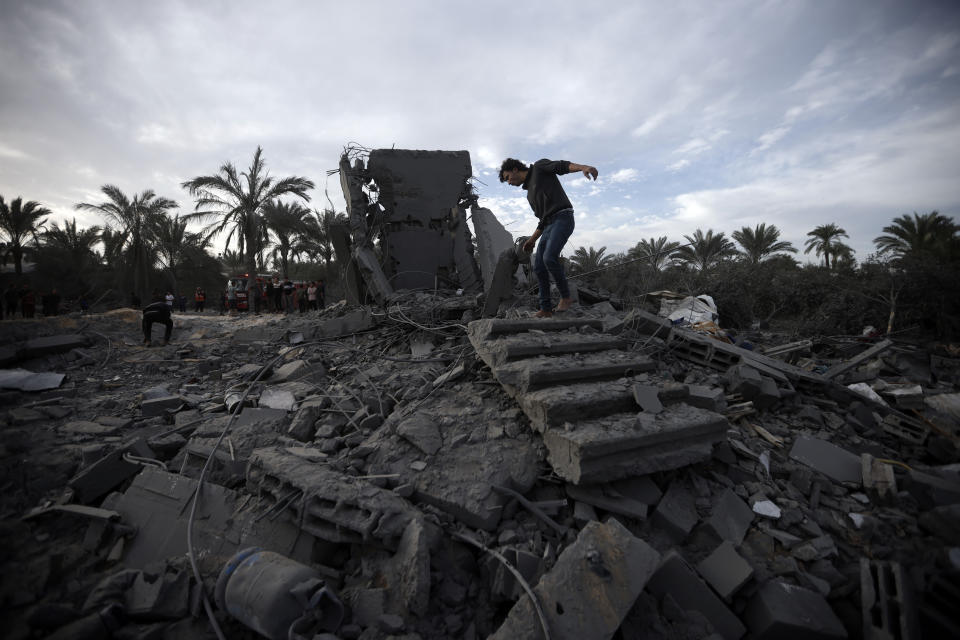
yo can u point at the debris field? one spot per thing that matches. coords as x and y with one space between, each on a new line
433 465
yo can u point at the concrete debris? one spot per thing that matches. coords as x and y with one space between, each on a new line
645 480
590 589
782 610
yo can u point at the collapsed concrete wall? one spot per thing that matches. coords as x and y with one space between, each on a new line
414 203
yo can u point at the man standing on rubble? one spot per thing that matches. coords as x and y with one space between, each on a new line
157 311
550 204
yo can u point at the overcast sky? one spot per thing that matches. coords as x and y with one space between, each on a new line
697 114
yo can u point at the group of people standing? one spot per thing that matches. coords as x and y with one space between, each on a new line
288 296
24 299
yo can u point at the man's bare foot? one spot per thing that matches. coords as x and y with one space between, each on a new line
564 304
543 314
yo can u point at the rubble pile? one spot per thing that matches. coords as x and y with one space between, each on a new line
424 460
429 473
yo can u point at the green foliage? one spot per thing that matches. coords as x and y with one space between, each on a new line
825 241
921 238
704 251
19 222
233 201
657 253
761 242
585 260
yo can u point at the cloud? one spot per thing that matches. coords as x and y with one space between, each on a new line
623 175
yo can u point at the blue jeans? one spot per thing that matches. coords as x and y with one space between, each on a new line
547 261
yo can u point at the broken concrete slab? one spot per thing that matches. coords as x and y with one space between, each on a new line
303 425
406 575
328 504
607 498
24 380
829 459
347 324
678 579
38 347
731 517
160 406
86 428
782 611
110 471
590 589
839 369
621 446
492 240
725 570
158 504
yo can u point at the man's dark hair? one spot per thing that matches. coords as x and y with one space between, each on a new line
509 165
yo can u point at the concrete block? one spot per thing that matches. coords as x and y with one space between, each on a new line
274 398
709 398
293 370
887 601
829 459
731 517
160 406
678 579
606 498
353 322
407 573
677 511
781 611
590 589
725 570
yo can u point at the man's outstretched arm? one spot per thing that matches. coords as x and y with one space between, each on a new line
588 171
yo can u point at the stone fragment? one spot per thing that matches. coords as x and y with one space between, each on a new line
725 570
731 517
590 589
293 370
676 578
767 509
606 498
829 459
83 427
273 398
709 398
677 511
781 611
407 573
647 398
160 406
421 431
303 425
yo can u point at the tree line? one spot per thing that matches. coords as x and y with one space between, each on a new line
143 244
910 281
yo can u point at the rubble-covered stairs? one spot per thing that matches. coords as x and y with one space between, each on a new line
577 386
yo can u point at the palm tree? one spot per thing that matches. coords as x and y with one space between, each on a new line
113 242
18 222
926 236
760 242
286 222
587 260
238 199
232 261
317 238
175 245
136 219
825 240
705 250
69 253
657 251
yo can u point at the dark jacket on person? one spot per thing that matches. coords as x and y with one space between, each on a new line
544 191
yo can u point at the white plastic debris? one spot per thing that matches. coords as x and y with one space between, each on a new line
767 509
278 399
866 391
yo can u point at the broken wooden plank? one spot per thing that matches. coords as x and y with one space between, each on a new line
852 363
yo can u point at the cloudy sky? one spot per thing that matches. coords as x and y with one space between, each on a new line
697 114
